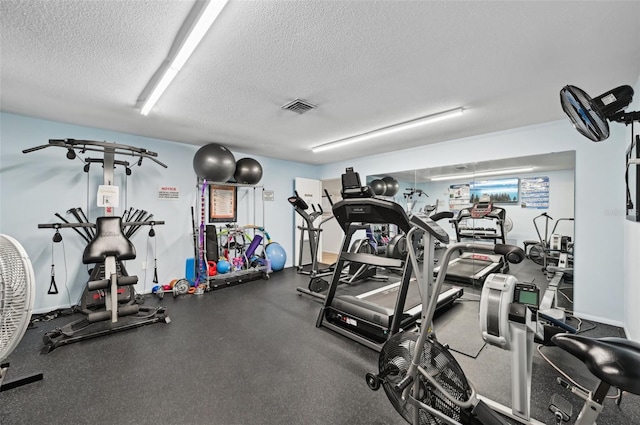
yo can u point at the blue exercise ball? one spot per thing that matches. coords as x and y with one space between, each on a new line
223 266
248 171
214 162
276 254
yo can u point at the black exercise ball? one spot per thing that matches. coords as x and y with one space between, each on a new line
392 186
248 171
379 187
214 162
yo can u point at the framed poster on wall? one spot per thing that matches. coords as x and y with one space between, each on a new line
223 204
459 197
501 191
534 192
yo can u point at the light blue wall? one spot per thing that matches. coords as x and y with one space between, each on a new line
34 186
599 189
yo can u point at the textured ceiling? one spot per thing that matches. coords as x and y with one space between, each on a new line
365 64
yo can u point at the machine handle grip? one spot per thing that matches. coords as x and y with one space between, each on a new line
406 381
326 192
558 323
512 253
441 215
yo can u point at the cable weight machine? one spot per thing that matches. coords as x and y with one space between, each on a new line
108 245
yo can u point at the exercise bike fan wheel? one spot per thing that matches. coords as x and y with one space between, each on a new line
394 362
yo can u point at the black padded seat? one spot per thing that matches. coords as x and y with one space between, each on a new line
615 361
109 241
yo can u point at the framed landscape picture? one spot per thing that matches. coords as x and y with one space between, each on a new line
500 191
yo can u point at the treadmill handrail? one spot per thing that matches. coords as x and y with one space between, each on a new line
511 253
425 223
372 259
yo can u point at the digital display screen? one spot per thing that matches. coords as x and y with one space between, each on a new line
527 297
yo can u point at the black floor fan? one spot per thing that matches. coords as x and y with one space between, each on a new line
17 291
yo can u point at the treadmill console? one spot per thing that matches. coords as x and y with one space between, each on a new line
351 187
481 209
425 223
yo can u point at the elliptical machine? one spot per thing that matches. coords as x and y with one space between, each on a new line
316 283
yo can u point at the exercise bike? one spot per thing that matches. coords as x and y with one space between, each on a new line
426 385
549 249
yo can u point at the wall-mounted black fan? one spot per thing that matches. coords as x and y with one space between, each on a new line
589 115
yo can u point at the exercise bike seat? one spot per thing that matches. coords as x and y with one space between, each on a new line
109 241
615 361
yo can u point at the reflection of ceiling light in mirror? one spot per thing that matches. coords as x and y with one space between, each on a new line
483 173
390 129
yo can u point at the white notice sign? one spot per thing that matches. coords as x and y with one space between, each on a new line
168 192
108 196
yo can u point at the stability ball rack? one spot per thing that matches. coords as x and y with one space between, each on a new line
254 194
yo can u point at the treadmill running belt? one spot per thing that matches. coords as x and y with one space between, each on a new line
467 270
387 297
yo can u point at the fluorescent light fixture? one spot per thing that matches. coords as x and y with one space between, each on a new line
389 130
161 86
482 174
207 16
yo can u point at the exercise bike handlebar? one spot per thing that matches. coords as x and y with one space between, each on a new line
512 253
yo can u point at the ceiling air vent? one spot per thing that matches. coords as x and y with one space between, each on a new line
298 105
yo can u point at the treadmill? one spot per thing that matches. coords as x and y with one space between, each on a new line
471 267
370 318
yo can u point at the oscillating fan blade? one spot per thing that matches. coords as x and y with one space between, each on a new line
17 291
584 114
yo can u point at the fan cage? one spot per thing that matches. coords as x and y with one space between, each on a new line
394 362
16 294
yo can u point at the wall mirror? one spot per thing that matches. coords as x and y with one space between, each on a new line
524 187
